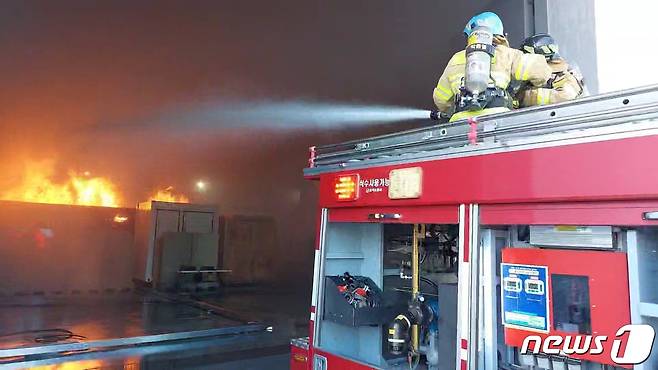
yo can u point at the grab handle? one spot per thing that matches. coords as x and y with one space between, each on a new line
384 216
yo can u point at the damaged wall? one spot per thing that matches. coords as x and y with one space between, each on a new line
247 249
55 249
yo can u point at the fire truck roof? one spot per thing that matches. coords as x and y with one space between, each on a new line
627 113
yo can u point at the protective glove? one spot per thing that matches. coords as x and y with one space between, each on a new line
559 82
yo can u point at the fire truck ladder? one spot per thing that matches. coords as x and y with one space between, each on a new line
628 113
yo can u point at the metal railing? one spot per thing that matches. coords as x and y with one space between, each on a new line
596 115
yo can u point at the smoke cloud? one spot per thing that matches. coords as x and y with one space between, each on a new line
75 73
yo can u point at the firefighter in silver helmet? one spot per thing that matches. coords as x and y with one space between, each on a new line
476 79
566 82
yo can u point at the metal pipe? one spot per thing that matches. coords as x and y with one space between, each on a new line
418 235
415 276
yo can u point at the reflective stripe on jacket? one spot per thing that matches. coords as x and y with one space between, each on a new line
507 64
478 113
565 87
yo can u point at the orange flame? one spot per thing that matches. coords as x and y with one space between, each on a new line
167 195
128 364
37 186
120 219
77 365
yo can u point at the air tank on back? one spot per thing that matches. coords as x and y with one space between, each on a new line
479 50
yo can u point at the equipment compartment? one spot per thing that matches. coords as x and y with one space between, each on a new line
343 308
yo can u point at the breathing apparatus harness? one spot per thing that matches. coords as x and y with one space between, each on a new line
492 97
478 90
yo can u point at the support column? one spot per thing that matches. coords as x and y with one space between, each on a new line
572 24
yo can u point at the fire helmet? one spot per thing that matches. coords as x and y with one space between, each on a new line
542 44
486 19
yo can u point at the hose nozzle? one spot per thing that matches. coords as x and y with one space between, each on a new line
435 115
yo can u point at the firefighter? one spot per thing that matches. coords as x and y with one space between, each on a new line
566 83
476 79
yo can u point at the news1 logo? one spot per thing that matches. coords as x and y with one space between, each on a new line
639 343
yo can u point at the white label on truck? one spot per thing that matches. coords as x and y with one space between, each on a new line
406 183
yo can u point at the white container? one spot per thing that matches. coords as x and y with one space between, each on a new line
155 219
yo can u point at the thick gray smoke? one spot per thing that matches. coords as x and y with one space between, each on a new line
289 115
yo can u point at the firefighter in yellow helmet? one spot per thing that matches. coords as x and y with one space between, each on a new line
566 82
475 81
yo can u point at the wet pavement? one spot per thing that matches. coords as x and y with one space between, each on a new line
223 354
287 311
27 321
130 314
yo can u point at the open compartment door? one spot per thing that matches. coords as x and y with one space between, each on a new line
551 270
372 248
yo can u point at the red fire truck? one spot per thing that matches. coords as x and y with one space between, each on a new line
455 246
